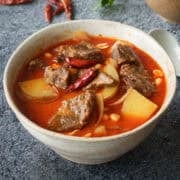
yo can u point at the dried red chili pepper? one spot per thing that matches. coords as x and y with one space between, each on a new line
80 63
68 8
59 8
14 2
53 2
48 12
83 80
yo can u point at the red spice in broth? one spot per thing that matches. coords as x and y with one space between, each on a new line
40 113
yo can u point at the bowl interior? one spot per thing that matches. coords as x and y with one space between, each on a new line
53 34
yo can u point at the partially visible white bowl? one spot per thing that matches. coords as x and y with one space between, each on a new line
78 149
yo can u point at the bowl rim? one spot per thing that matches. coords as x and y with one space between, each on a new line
25 120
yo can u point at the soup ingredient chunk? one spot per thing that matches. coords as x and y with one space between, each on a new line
86 77
100 130
124 54
101 80
137 78
74 113
137 106
80 63
83 50
68 8
132 70
37 89
109 91
59 77
111 71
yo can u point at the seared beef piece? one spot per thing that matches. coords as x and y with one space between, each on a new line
132 70
74 113
138 78
59 77
83 50
101 80
124 54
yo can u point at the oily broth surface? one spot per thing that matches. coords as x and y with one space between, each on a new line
41 112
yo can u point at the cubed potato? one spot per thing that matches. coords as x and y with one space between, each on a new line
110 91
137 106
113 62
37 89
111 71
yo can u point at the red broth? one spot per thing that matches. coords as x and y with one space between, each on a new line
40 112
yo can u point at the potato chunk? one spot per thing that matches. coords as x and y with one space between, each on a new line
138 106
111 71
110 91
37 89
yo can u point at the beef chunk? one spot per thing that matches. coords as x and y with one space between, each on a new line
132 70
124 54
83 50
101 80
59 77
136 77
74 113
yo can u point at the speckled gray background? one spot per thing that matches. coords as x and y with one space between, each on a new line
23 157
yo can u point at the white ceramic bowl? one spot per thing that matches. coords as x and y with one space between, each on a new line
77 149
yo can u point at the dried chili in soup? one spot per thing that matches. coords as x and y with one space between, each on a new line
90 86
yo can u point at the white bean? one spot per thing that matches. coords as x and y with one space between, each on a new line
100 130
158 81
115 117
157 73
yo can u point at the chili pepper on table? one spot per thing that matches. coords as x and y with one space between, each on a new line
14 2
48 12
53 2
62 5
68 8
59 8
80 63
56 8
83 80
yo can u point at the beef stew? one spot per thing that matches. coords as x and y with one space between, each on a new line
91 87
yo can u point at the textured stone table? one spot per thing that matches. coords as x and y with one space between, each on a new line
23 157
